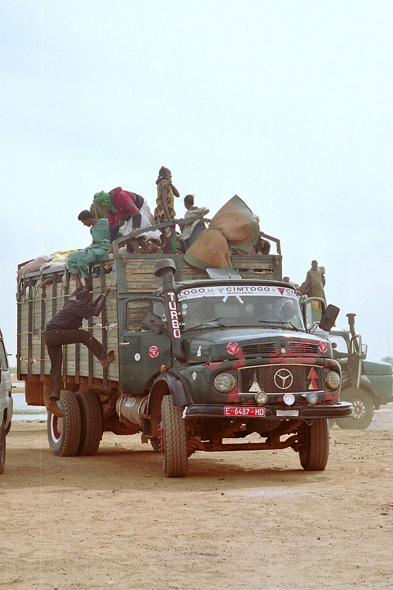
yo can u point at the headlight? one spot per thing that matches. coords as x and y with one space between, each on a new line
224 382
333 380
261 398
289 399
312 398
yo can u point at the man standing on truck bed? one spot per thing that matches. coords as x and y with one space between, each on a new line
64 328
315 282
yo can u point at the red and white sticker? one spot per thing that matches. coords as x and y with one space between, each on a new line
233 347
154 352
323 347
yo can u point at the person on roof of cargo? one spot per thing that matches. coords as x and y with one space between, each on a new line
130 208
315 282
78 262
165 210
191 231
65 328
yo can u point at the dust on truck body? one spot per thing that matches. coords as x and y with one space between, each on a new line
200 363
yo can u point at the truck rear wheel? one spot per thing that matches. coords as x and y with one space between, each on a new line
362 410
64 433
174 439
92 422
2 448
315 451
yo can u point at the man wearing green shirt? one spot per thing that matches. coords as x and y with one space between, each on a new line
78 262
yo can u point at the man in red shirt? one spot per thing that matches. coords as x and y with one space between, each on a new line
65 328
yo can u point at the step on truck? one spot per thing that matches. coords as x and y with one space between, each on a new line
203 359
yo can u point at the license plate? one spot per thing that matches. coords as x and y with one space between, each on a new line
283 413
242 411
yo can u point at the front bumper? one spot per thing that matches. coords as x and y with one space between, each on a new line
276 412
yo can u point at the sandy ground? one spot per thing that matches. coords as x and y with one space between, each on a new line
241 520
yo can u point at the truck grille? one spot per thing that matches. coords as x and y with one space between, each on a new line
261 348
303 349
292 349
281 379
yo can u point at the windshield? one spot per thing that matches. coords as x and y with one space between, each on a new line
238 305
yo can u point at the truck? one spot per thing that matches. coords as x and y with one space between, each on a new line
6 402
203 359
366 384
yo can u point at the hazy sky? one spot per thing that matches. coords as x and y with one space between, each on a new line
287 103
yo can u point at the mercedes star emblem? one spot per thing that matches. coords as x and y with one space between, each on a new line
283 378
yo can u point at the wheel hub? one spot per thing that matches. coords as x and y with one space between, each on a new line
57 424
359 410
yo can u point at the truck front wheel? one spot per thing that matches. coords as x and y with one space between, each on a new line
174 439
64 433
362 409
92 422
315 445
2 448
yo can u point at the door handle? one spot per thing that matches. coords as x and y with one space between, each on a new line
124 344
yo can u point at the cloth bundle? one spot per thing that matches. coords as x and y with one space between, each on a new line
233 225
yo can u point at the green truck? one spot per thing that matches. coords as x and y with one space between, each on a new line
6 402
202 360
366 384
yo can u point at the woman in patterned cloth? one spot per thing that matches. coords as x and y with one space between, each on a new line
165 210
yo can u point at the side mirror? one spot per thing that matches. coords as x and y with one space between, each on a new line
329 317
154 323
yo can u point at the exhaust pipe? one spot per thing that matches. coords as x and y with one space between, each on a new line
130 407
165 269
351 322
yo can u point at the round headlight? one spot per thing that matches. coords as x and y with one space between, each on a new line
333 380
289 399
261 398
312 398
224 382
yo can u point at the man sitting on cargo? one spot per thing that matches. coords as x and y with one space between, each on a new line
65 328
78 262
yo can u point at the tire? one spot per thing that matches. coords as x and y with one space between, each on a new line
2 448
174 439
8 428
362 411
64 433
315 451
92 423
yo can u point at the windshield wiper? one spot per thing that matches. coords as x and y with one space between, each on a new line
279 323
208 324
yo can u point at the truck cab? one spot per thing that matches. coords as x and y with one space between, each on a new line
366 384
6 405
235 358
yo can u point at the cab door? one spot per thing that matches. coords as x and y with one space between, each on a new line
144 343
